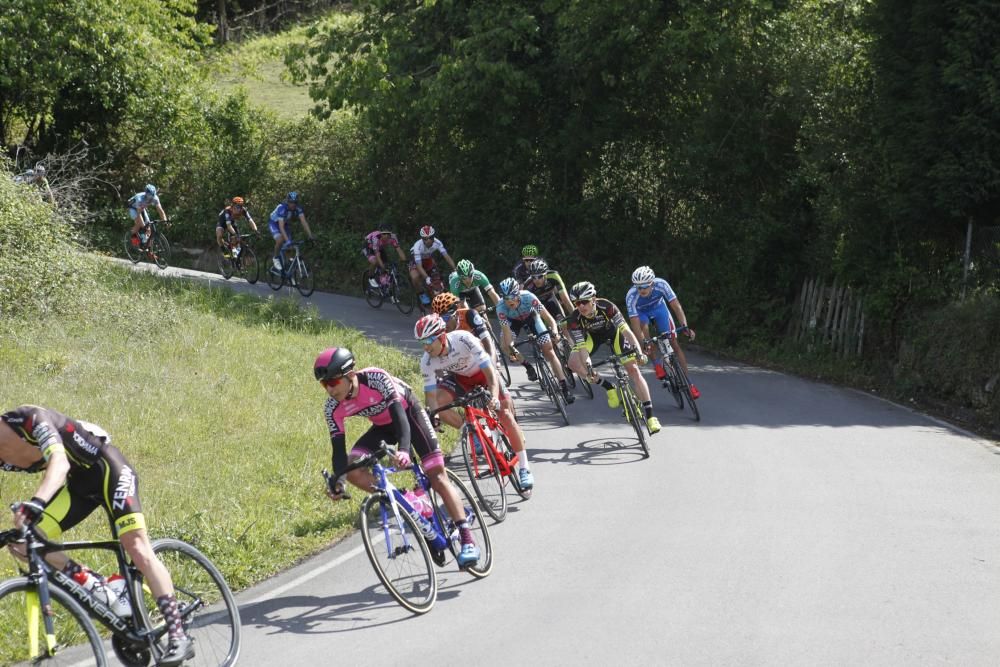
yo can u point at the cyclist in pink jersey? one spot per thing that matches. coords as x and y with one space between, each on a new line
454 363
397 418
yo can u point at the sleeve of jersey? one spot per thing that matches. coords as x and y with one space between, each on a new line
338 438
630 302
48 439
664 288
502 315
616 316
401 425
430 378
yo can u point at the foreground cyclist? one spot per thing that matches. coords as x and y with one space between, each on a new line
596 321
455 363
83 471
397 418
647 300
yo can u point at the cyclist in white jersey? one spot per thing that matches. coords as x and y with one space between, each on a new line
423 264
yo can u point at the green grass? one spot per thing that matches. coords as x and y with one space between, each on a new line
211 396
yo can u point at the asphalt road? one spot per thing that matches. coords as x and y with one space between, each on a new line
796 524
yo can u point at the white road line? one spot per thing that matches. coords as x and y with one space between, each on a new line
306 577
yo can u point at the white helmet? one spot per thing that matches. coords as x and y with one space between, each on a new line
643 275
582 291
428 325
426 232
39 171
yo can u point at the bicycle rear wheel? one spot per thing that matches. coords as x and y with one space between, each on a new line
247 265
159 248
209 612
685 389
484 475
474 518
373 295
225 265
552 388
133 252
633 413
275 277
403 295
399 554
303 278
76 639
673 382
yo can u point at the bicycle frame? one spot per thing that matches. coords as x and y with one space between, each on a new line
475 416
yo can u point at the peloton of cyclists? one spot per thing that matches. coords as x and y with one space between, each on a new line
397 418
423 267
227 223
453 364
279 226
648 300
137 206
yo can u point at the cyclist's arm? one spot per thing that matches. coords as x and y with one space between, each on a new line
508 338
636 326
402 255
56 471
492 381
338 459
675 306
305 225
281 228
159 209
627 333
450 261
253 225
401 425
550 321
492 293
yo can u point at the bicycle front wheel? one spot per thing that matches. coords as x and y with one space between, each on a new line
303 278
373 295
633 413
247 265
159 249
484 474
275 277
474 519
553 389
207 607
399 554
685 389
23 640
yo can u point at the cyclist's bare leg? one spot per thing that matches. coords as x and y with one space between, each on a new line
638 382
137 546
439 482
450 417
676 344
579 360
550 356
510 425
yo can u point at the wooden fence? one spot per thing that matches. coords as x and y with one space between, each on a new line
831 315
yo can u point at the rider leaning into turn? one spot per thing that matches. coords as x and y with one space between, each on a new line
647 300
521 270
548 286
596 321
467 283
456 316
82 471
375 249
519 308
423 266
397 418
227 223
453 364
137 206
279 224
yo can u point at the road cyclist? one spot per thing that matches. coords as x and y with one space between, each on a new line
226 224
472 286
423 268
279 225
375 248
596 321
82 471
453 364
137 205
397 419
518 308
648 300
458 316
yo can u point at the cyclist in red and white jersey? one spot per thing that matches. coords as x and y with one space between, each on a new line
397 418
423 266
454 363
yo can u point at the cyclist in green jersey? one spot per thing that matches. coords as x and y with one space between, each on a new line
467 283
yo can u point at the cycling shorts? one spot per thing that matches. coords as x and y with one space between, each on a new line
617 344
110 483
536 325
370 255
473 297
423 441
272 226
660 316
134 213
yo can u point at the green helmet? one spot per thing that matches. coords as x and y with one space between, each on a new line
529 251
465 268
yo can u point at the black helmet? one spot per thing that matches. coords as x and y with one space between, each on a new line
333 362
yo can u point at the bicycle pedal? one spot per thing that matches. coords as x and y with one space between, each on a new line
438 557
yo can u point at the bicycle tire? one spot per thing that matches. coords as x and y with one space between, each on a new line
77 639
484 475
247 265
209 611
673 385
226 267
304 281
562 353
373 295
474 517
502 366
159 248
633 414
554 390
133 252
410 580
502 444
403 295
686 390
275 277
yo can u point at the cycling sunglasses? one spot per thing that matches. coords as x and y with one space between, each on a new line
448 314
331 382
429 340
584 302
644 286
538 276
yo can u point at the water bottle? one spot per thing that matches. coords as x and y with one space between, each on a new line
435 540
422 503
117 597
89 581
142 236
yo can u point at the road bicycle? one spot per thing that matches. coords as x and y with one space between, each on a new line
48 618
151 244
676 380
239 259
293 271
390 287
546 378
402 545
490 460
436 287
631 407
503 366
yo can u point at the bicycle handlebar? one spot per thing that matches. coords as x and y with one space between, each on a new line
363 462
479 393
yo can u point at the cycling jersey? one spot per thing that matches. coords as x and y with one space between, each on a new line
140 201
422 252
386 401
520 271
374 242
458 288
467 319
282 212
548 292
606 321
229 216
99 474
661 294
528 307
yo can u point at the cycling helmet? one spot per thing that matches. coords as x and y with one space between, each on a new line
150 189
443 302
428 325
529 251
39 171
643 275
582 291
237 201
333 362
538 266
509 287
293 197
426 232
465 268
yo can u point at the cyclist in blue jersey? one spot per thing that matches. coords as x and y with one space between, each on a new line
651 299
281 217
137 206
518 308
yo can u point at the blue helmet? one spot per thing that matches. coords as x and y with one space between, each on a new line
150 189
293 197
509 287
